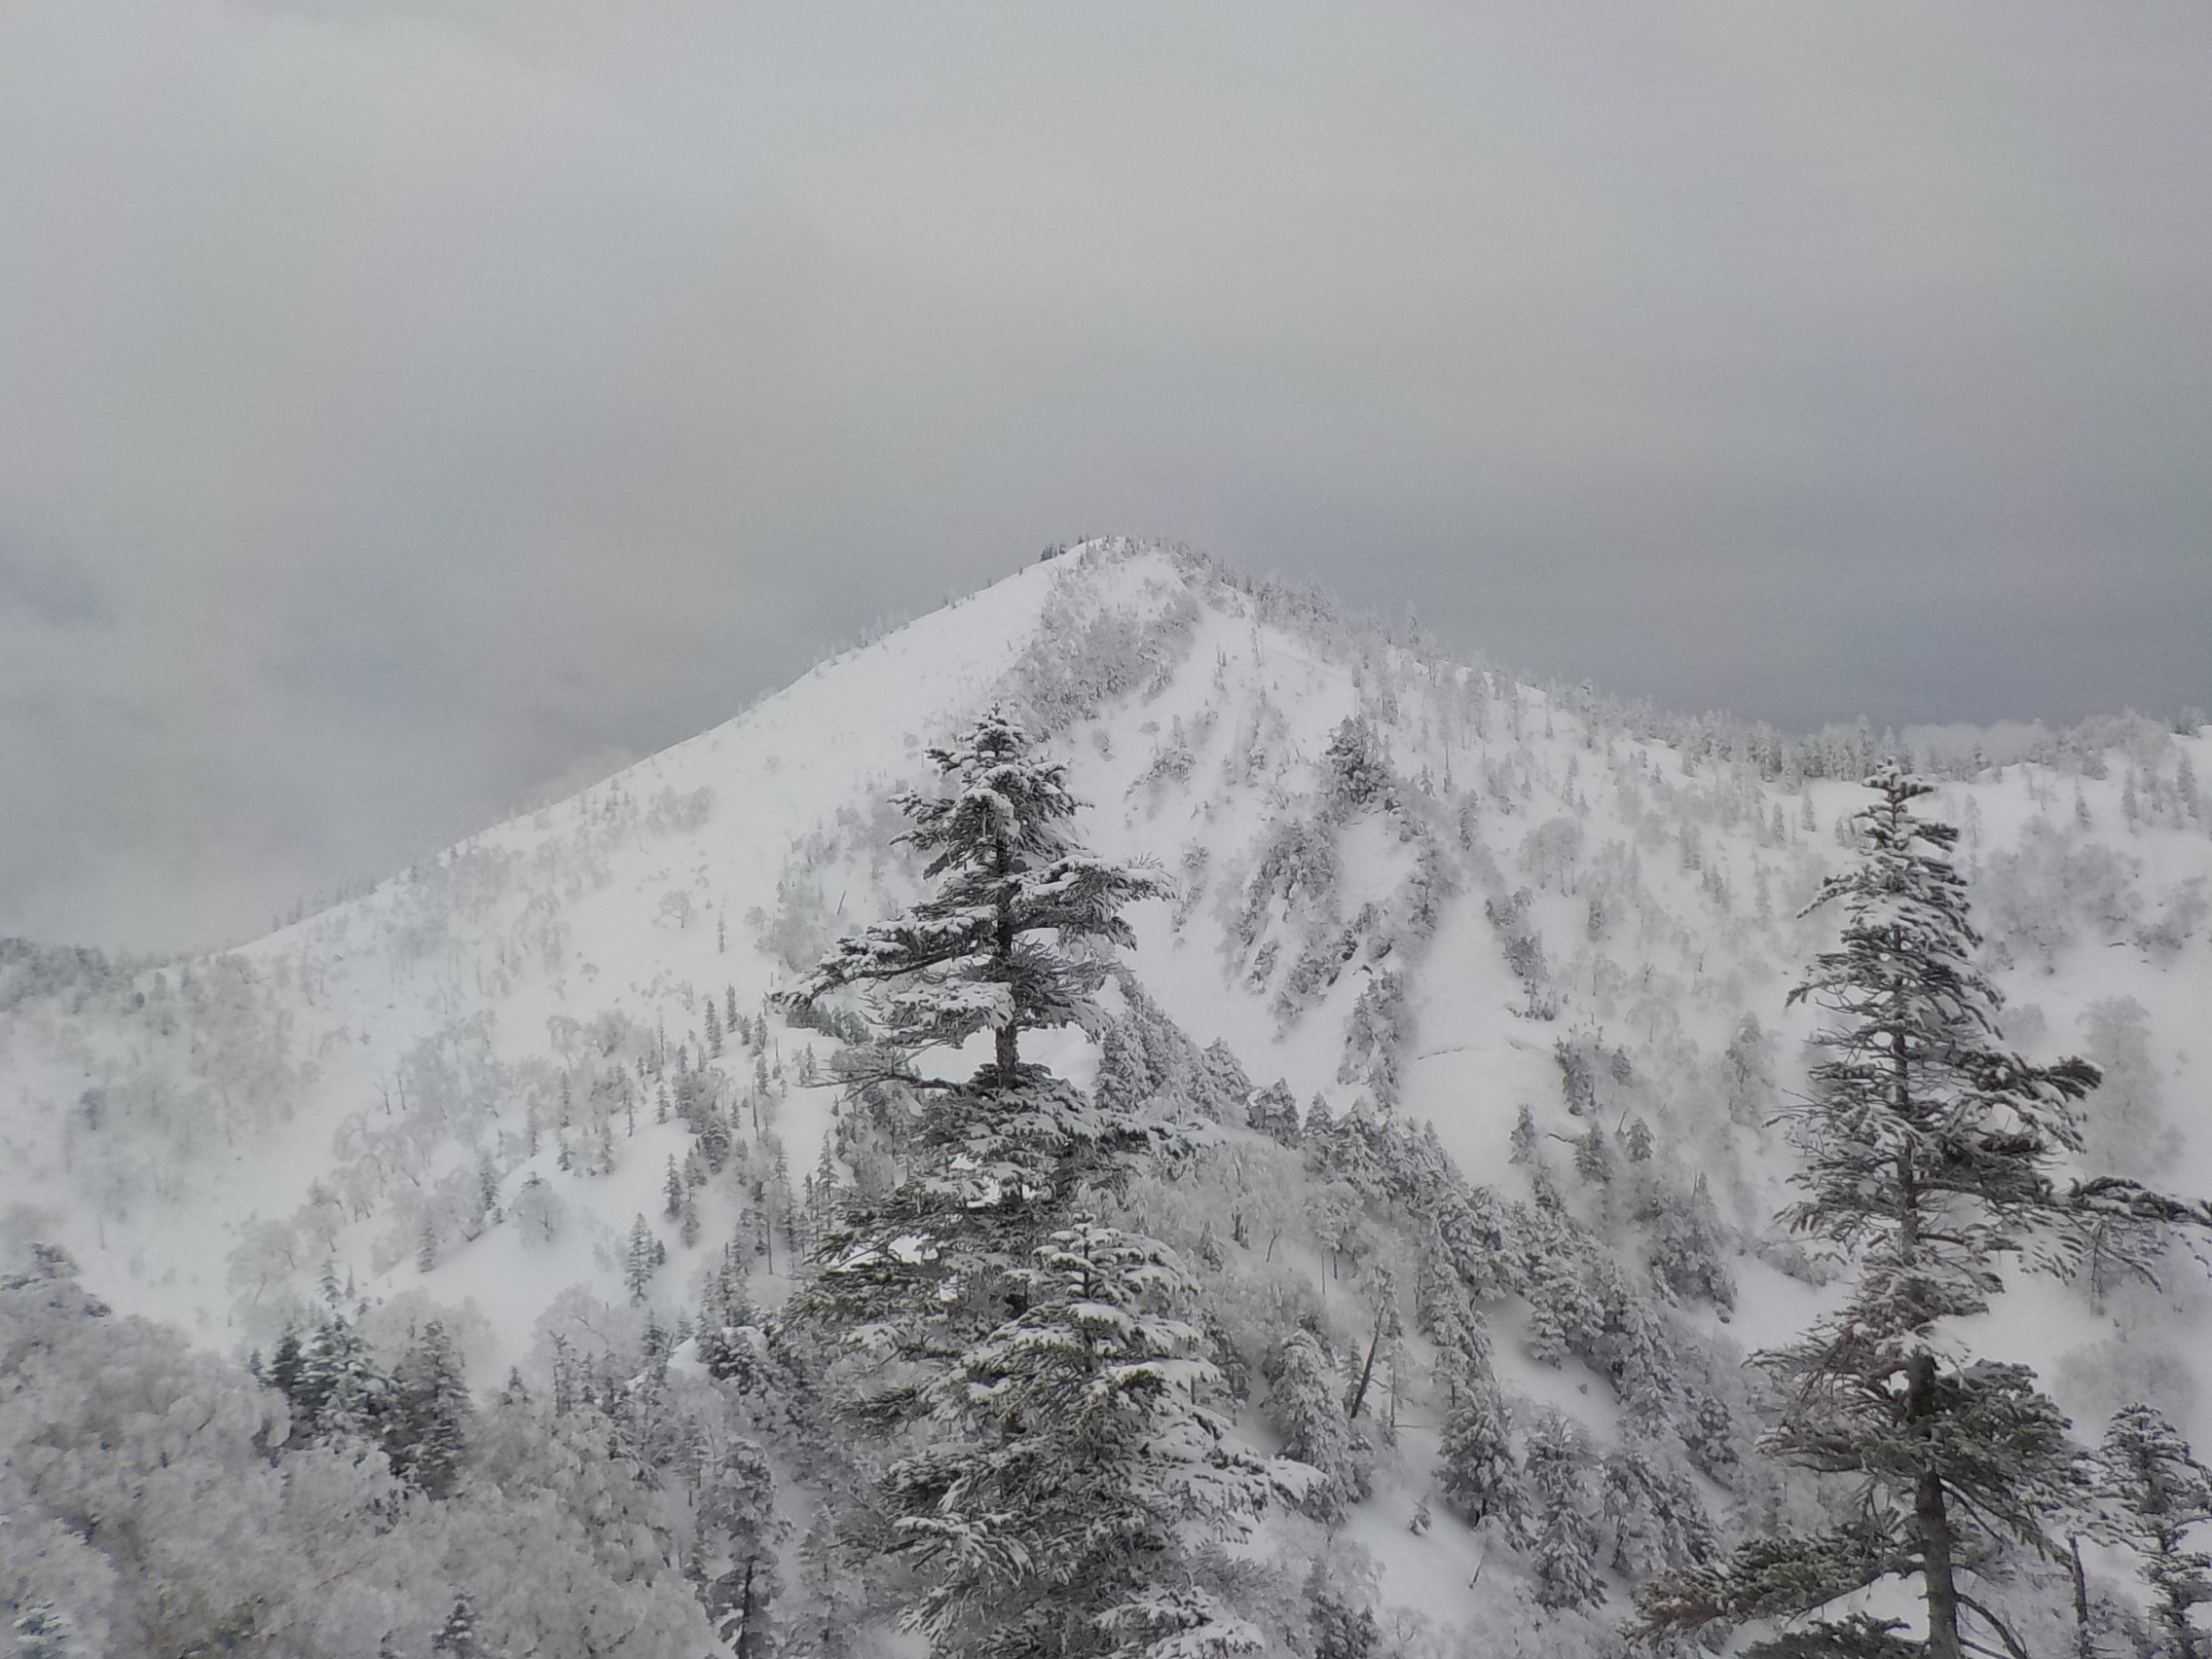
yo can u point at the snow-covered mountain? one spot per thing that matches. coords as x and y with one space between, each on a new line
1557 929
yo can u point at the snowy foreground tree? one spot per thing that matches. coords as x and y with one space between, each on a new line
1929 1152
968 958
1072 1472
1013 940
1081 1465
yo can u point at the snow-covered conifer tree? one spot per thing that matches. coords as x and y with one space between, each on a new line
641 1261
737 1508
1339 1627
968 958
1273 1112
42 1631
1475 1466
1081 1460
728 1321
1221 1085
1183 1622
1653 1519
688 1219
457 1637
427 1422
1011 939
333 1386
1355 767
1564 1549
1928 1154
2151 1492
1305 1404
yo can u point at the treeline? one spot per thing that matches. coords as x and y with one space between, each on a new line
161 1501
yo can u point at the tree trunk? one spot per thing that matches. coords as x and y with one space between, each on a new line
2083 1647
1366 1372
1007 1046
745 1617
1934 1525
1933 1521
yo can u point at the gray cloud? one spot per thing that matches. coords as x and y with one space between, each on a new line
405 407
41 579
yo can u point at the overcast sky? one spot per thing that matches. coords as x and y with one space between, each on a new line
407 408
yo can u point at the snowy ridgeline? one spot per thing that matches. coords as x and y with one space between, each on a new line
503 1262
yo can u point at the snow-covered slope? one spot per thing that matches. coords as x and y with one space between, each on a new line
1407 886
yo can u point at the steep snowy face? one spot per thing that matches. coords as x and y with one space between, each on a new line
1405 889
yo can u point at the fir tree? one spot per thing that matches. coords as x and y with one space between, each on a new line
687 1218
285 1370
728 1323
1563 1547
824 1185
1221 1085
1652 1515
42 1631
2152 1493
641 1262
1183 1622
1011 939
457 1637
672 1187
1523 1139
1082 1459
1305 1404
1273 1112
488 1188
1474 1464
1341 1628
1593 1157
426 1437
332 1384
1927 1153
737 1506
968 959
1319 1133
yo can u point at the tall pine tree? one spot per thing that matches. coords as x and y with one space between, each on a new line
426 1428
737 1508
2153 1491
969 958
1563 1542
1475 1463
1928 1150
1013 938
1305 1404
